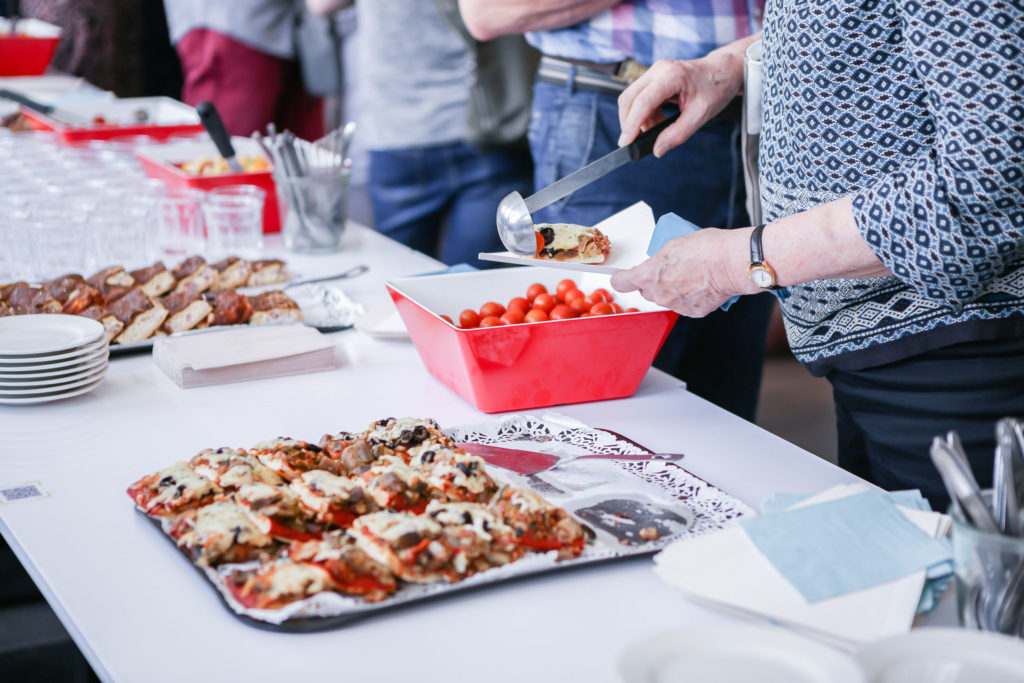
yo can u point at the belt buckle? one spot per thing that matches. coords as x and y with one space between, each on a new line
630 70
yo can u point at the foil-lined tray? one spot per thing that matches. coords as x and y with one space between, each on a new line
614 499
323 306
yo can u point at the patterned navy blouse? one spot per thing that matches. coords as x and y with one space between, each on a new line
916 108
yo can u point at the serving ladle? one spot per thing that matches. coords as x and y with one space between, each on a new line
515 214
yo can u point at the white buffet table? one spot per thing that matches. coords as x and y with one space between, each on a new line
139 612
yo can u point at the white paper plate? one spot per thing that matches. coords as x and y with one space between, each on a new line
943 654
382 323
54 396
52 359
61 366
8 385
45 334
629 232
79 380
737 653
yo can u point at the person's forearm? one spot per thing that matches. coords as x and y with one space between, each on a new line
729 60
327 6
488 19
820 243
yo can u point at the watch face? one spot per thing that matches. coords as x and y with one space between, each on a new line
761 277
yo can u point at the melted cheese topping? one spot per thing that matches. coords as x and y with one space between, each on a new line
481 521
219 526
394 428
390 526
279 444
230 467
290 579
446 470
178 484
566 235
318 489
271 501
528 501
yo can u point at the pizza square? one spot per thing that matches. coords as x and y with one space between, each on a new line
571 243
278 584
459 475
220 532
477 538
332 499
352 570
172 490
393 485
411 546
538 524
398 435
230 468
291 457
277 512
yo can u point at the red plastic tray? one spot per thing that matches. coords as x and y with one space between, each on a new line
516 367
168 118
161 161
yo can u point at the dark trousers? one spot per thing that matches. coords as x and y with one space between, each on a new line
721 356
887 415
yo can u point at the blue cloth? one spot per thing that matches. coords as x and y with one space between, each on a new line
780 502
844 545
442 200
720 356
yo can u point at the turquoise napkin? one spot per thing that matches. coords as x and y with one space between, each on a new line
844 545
780 502
671 226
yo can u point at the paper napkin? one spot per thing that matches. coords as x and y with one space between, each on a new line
243 353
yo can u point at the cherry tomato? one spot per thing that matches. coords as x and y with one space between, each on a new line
616 308
520 303
513 316
603 293
545 302
447 319
535 289
592 300
602 308
469 319
563 287
492 321
632 310
572 295
586 314
536 315
579 304
540 242
562 312
491 309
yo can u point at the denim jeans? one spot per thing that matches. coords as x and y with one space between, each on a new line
721 356
443 200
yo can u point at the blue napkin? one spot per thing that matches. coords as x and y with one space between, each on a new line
457 268
671 226
780 502
844 545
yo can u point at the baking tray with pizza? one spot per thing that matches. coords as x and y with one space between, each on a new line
301 536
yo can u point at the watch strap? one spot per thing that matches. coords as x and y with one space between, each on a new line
756 250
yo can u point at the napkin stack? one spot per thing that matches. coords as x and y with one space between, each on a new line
847 566
243 353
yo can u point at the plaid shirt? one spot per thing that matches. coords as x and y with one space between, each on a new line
649 30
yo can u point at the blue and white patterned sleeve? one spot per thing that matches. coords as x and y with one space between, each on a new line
951 218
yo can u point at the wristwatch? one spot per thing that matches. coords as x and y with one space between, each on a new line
761 274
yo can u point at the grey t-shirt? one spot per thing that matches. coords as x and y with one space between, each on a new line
264 24
414 71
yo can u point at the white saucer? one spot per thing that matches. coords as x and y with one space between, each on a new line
55 396
950 655
55 370
59 386
45 333
735 653
382 323
51 359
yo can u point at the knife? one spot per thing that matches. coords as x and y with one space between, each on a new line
213 124
62 117
531 462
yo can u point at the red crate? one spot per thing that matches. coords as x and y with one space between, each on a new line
163 162
531 365
167 118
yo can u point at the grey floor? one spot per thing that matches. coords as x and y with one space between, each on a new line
798 406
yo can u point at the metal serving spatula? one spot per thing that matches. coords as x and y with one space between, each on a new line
515 220
531 462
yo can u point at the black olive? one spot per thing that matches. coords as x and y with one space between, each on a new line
313 448
466 469
486 525
548 234
384 422
428 456
167 481
220 450
408 540
235 533
180 490
420 433
467 518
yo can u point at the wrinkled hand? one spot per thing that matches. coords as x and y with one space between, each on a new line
701 88
688 275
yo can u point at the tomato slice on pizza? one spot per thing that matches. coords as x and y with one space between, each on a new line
172 490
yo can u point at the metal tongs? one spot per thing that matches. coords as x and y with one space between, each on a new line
515 220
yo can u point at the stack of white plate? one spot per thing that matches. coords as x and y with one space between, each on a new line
49 357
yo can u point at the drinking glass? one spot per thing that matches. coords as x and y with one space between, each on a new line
234 220
180 222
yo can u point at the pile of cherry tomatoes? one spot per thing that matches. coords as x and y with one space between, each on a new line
539 305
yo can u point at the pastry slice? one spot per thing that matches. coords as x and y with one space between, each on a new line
5 310
185 310
155 280
229 308
114 276
73 292
270 306
141 316
23 299
232 272
267 272
195 274
111 325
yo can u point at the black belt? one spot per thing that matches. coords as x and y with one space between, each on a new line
611 79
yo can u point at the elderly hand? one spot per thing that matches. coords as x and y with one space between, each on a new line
701 87
692 275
